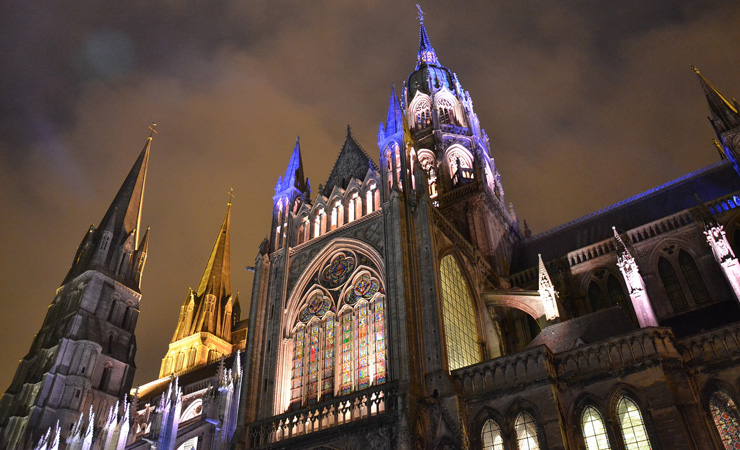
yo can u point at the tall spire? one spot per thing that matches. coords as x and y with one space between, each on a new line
724 114
426 55
217 276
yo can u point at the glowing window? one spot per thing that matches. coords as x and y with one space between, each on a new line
726 418
526 432
458 313
446 111
423 114
594 432
632 426
670 281
335 353
491 436
693 278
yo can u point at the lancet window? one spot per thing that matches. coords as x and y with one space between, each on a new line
428 163
693 278
594 432
632 425
446 111
423 113
672 287
458 312
491 436
526 432
460 163
726 419
354 206
337 342
372 197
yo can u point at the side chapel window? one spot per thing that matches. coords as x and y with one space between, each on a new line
338 340
632 425
726 419
491 436
594 432
526 432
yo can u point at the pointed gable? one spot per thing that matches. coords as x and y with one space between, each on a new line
352 162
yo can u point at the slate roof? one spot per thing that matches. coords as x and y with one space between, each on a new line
709 183
352 162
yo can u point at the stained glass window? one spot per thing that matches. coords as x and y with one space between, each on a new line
458 313
526 432
726 418
335 354
594 432
491 436
670 281
693 278
632 426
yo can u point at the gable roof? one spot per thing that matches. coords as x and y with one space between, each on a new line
352 162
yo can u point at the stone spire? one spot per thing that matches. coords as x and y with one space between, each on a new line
294 177
112 245
217 275
635 284
724 114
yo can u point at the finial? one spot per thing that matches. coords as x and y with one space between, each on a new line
421 14
696 70
349 130
153 131
231 194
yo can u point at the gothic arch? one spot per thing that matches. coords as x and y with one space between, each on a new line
485 414
457 152
420 110
444 98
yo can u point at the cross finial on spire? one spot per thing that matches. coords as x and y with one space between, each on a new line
231 194
421 14
152 128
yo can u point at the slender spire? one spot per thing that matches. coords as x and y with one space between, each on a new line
426 55
294 177
217 276
124 213
394 121
724 114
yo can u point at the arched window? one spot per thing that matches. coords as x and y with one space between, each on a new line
180 361
372 197
631 425
594 433
672 288
596 297
337 213
491 436
191 357
526 432
446 111
105 377
338 339
458 312
319 222
693 278
422 113
354 207
726 418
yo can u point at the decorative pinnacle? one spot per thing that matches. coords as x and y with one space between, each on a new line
421 14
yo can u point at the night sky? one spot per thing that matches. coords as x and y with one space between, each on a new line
585 103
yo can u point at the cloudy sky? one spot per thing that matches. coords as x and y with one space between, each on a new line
585 102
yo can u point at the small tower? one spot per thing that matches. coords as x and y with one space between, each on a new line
725 119
208 314
83 355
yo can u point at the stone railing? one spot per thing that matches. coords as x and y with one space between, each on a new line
723 204
506 372
349 408
616 353
716 346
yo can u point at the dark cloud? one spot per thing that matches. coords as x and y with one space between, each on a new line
585 103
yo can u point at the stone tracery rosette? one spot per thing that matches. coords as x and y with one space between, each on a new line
338 270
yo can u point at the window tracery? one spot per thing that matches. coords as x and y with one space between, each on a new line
446 111
526 432
338 340
491 436
423 113
594 432
632 425
672 287
726 419
428 163
693 278
458 313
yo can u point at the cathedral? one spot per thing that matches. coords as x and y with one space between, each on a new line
402 305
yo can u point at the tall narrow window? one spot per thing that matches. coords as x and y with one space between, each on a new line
616 294
105 378
458 312
693 278
726 418
491 436
672 288
526 432
594 432
632 426
595 296
296 394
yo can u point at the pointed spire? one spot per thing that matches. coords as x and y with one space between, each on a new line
393 122
294 176
124 213
548 294
426 54
724 114
217 276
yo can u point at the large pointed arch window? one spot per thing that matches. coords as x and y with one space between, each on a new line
726 419
337 343
594 432
672 287
458 313
595 296
632 425
526 432
693 278
491 436
423 113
